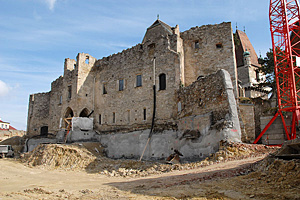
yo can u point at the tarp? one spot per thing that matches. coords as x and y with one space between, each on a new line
82 123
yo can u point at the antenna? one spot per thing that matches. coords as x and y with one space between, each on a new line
244 29
157 16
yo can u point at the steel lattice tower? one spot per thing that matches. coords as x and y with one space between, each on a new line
284 25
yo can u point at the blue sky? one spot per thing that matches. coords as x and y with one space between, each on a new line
37 35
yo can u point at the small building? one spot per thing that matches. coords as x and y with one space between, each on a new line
7 131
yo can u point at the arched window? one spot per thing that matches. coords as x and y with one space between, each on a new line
84 113
162 82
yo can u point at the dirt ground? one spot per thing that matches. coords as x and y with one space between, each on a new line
49 172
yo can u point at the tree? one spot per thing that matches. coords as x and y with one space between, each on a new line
267 68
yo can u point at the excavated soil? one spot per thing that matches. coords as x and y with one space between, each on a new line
78 171
82 157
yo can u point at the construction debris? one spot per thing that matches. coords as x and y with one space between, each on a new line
83 156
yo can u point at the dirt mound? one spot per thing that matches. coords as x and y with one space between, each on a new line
53 156
16 140
82 157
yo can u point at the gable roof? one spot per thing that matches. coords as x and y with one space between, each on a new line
245 45
10 127
163 24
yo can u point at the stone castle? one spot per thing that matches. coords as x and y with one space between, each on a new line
196 80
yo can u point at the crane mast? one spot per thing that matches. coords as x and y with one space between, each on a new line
285 32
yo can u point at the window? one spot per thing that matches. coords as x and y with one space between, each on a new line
162 82
114 117
69 92
145 114
87 60
128 116
138 80
100 121
104 91
1 125
121 85
60 99
257 76
219 45
197 44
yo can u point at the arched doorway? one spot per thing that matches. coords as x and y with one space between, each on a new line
69 113
84 113
67 117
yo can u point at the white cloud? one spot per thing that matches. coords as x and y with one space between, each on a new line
4 89
51 4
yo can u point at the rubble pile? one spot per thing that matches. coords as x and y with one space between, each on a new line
235 151
285 172
58 156
78 157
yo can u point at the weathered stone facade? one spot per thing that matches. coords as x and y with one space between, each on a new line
117 92
90 85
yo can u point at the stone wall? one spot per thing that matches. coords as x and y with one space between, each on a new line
247 115
129 104
207 113
209 104
214 51
80 91
38 112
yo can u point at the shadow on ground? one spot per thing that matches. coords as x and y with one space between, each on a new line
184 185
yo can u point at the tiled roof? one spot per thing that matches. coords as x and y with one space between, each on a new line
245 44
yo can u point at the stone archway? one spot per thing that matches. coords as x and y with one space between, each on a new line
69 113
68 116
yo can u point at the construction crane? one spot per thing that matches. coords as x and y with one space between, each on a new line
285 32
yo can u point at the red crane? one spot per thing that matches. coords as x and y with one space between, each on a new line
285 31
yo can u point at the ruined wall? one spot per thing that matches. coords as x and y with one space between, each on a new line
127 106
38 112
56 101
209 104
247 115
207 49
81 88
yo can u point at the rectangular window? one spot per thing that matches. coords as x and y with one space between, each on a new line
69 92
100 120
138 80
121 85
219 45
60 99
128 116
114 117
145 114
196 44
257 76
104 91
